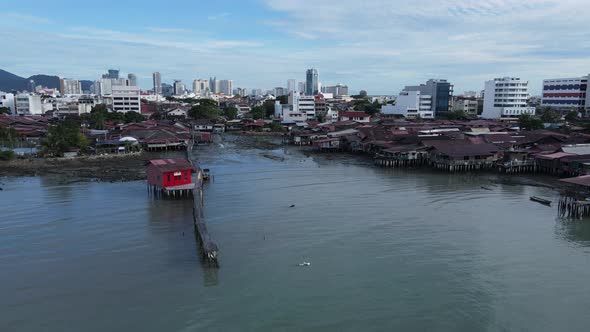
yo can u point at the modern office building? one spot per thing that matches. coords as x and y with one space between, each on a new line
157 80
440 92
178 88
506 97
566 94
167 90
126 99
213 85
70 87
112 74
301 87
312 86
336 90
279 91
291 85
226 87
411 104
200 87
132 79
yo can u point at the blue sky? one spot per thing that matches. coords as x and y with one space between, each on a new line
378 45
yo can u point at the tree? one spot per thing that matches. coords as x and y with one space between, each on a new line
363 94
321 118
63 137
364 105
571 115
276 127
456 115
7 135
528 122
230 112
283 99
257 112
206 109
269 108
4 110
549 116
133 117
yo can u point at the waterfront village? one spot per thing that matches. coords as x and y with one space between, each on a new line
501 129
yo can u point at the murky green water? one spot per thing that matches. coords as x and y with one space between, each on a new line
390 250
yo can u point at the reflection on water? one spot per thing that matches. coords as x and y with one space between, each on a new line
390 249
576 231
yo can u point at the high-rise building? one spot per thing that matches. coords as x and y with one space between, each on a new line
178 88
301 87
226 87
200 87
506 97
31 86
567 93
132 79
113 73
70 87
312 87
157 78
336 90
167 90
213 85
440 91
279 91
291 85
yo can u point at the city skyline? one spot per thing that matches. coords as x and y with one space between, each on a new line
378 46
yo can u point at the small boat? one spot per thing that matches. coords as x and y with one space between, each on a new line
206 175
305 264
540 200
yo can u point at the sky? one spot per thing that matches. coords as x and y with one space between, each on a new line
376 45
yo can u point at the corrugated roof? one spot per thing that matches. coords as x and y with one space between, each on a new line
554 156
582 149
583 180
168 165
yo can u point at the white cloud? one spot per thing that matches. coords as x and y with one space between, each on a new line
167 30
26 18
218 16
462 41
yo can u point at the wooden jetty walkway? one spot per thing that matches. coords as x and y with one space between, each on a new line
209 248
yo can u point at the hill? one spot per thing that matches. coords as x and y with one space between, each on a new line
10 82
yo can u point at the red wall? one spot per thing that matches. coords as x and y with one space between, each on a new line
170 180
156 178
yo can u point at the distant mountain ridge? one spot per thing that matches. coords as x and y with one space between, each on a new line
10 82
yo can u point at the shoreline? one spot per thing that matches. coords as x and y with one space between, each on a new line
113 168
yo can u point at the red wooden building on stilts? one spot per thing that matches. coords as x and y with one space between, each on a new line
171 177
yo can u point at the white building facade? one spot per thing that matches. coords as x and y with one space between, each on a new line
506 97
28 104
201 87
226 87
7 100
70 87
411 104
126 99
